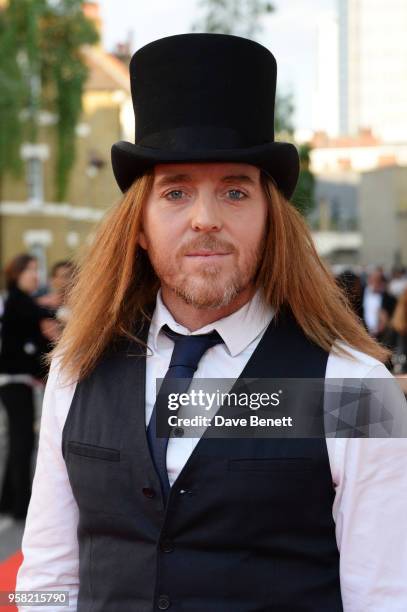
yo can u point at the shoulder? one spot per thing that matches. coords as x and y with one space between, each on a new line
58 381
59 392
354 365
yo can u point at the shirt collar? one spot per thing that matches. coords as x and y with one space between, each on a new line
237 330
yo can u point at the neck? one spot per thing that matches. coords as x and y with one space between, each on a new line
194 318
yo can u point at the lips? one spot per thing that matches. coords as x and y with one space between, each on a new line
206 254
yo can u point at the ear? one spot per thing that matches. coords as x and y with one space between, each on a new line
142 240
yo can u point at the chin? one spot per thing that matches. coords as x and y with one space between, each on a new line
206 270
206 295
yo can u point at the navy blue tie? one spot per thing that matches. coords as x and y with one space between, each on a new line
186 355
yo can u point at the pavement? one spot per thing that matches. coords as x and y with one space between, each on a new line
11 530
11 533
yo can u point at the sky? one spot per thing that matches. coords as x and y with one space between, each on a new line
289 32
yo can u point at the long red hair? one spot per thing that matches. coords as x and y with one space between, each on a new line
116 282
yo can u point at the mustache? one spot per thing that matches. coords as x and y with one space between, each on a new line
208 243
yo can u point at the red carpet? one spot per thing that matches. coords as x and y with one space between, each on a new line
8 572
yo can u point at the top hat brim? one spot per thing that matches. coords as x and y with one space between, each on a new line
279 159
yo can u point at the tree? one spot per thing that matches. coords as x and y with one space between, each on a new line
303 197
239 17
41 67
283 115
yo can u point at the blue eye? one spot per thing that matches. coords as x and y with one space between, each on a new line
236 194
176 194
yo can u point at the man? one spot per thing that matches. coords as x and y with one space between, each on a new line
60 281
378 304
205 270
398 281
62 274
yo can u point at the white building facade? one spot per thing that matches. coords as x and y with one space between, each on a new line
373 68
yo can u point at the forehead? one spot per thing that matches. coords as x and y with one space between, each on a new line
206 170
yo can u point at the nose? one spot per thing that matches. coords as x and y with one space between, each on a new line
205 214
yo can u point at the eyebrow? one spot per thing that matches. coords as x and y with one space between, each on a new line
171 179
242 178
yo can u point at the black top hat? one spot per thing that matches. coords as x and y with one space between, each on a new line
204 97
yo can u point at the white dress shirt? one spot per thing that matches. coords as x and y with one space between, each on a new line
372 302
369 475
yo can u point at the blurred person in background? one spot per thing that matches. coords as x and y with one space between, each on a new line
62 274
26 331
395 337
378 304
352 286
398 281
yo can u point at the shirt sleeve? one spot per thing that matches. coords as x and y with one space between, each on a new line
370 510
50 545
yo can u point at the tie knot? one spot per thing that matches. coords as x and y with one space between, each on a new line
188 350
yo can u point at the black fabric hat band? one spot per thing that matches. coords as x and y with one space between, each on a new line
195 138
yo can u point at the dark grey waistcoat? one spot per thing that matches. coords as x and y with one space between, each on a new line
248 524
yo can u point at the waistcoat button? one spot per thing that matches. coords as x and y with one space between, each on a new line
167 546
148 492
163 602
